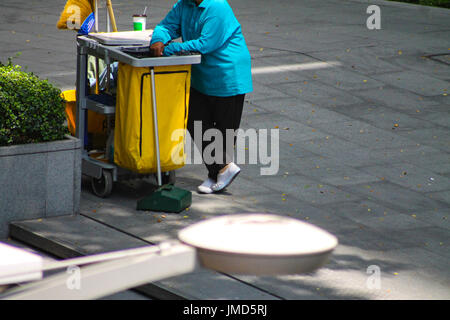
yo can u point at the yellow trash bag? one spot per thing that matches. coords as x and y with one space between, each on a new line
96 121
134 139
70 99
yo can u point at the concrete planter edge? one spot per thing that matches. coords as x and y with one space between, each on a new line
39 180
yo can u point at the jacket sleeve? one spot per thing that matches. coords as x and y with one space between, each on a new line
170 27
217 28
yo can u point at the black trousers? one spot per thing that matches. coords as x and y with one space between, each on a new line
220 113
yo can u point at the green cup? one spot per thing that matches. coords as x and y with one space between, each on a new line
139 22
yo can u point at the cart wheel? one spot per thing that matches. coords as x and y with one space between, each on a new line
102 187
168 177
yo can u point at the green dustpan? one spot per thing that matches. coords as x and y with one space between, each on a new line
166 198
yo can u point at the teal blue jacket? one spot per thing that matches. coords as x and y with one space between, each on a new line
211 29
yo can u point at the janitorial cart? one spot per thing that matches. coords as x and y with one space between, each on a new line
143 120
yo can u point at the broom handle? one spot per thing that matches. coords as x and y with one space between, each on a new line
111 15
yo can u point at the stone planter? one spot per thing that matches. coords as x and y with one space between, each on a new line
39 180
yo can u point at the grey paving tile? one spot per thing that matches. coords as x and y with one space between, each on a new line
416 82
21 41
277 78
250 109
395 267
306 41
365 134
438 218
419 154
289 131
261 52
319 94
243 187
363 60
341 150
439 118
343 78
410 176
358 110
286 166
286 58
427 261
38 31
280 68
11 15
418 44
421 64
261 91
231 289
402 100
371 239
329 171
311 114
45 56
280 202
279 105
393 223
391 120
368 214
441 195
436 137
306 189
36 6
442 100
289 151
396 197
434 239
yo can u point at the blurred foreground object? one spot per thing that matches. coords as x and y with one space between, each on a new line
259 244
254 244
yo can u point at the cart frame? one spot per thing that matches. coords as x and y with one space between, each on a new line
102 173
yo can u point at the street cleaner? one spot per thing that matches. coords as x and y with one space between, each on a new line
218 84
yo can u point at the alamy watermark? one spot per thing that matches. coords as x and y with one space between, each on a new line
73 281
253 146
373 281
374 20
74 20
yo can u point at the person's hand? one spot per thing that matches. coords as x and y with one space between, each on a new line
157 49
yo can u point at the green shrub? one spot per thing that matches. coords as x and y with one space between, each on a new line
31 109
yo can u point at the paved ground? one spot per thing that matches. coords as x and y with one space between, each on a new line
364 136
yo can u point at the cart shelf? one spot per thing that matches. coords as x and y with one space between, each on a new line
103 104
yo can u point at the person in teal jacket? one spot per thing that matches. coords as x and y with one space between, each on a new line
219 83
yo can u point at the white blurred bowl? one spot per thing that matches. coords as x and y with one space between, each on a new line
259 244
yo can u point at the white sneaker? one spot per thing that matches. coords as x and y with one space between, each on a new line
225 178
206 186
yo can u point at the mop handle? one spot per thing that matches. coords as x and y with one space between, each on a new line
155 124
